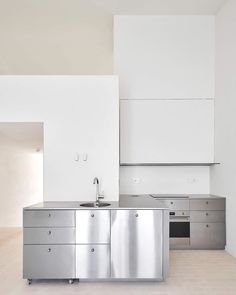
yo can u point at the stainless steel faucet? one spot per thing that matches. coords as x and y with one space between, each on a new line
98 195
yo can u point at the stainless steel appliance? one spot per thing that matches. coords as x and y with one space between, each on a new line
179 229
179 217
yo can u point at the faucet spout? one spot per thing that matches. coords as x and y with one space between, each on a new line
96 181
98 194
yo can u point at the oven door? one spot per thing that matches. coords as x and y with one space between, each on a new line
179 232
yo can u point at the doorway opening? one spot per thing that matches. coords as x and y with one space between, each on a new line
21 169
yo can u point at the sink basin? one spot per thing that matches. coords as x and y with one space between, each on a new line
92 204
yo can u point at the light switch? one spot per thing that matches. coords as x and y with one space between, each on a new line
85 157
76 157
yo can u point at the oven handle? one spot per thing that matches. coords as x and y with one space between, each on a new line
179 219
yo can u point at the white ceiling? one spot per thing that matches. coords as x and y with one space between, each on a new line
161 6
27 135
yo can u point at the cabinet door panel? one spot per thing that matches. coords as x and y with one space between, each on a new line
166 131
49 261
207 235
136 244
93 261
92 226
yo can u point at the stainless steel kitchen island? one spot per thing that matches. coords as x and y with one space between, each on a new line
127 240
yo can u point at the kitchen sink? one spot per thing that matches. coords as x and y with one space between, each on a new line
93 204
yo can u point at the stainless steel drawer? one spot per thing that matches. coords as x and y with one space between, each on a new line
52 235
92 226
174 204
207 216
207 235
93 261
49 261
207 204
49 218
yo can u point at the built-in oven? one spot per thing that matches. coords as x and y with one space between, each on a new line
179 229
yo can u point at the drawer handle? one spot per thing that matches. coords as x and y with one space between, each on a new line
49 232
49 249
136 215
92 215
207 225
207 202
172 203
207 214
49 215
92 250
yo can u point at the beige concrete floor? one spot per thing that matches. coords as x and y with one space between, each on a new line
191 273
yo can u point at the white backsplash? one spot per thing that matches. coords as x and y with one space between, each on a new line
164 180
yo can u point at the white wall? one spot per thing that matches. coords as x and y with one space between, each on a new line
21 180
169 56
55 37
223 177
80 115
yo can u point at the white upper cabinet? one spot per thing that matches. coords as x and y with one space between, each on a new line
166 131
164 56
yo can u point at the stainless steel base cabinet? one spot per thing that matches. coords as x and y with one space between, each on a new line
49 261
93 261
112 244
136 244
204 224
49 244
93 244
207 223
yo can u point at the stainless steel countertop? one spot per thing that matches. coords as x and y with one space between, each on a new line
125 202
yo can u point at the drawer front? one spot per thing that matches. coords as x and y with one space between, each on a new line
174 205
207 216
92 261
207 204
49 235
207 235
49 218
93 226
49 261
